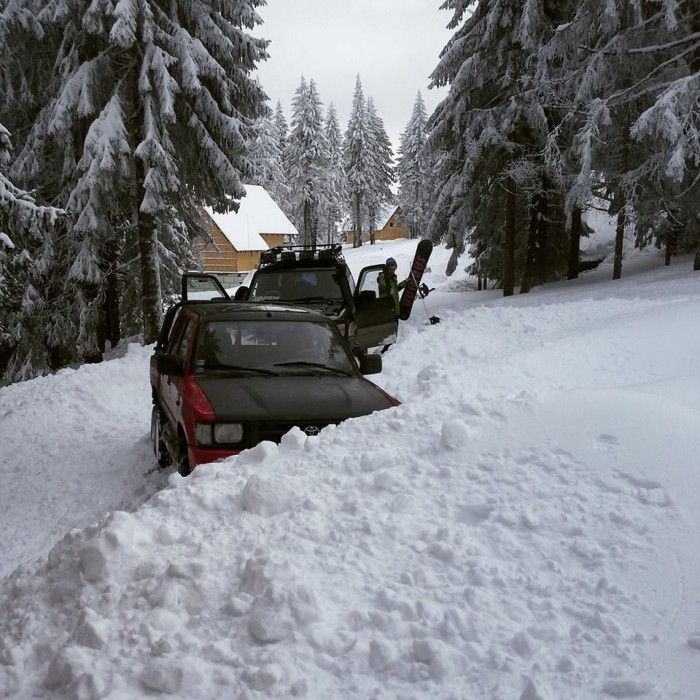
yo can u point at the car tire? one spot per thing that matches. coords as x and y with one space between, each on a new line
184 467
160 449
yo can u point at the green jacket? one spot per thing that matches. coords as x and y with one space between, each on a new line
388 283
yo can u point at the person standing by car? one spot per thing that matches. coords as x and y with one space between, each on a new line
389 284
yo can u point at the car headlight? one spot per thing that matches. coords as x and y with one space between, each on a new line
208 434
225 433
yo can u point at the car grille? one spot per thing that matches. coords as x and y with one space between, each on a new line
274 430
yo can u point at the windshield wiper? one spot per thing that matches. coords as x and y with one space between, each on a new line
308 300
315 365
238 368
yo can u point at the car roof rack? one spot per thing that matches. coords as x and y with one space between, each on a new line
291 253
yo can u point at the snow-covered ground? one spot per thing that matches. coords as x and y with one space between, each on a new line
524 526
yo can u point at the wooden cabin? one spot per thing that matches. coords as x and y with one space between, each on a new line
238 238
389 227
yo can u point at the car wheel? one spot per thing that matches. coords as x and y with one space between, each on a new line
159 448
184 467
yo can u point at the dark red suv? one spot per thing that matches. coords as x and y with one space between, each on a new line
226 375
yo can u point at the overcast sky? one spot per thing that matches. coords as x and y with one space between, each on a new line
394 45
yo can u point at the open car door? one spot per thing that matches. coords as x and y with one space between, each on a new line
375 314
202 286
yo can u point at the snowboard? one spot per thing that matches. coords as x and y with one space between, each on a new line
420 262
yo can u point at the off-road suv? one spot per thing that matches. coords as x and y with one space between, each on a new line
319 277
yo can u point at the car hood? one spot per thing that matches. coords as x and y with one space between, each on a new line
292 397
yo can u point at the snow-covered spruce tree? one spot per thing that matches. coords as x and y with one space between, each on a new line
23 347
627 80
666 192
490 134
283 131
282 127
266 161
148 115
381 169
306 157
357 159
413 171
26 57
335 185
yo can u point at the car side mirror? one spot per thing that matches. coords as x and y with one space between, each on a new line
170 364
241 293
371 364
368 295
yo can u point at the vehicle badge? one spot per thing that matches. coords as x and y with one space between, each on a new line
312 430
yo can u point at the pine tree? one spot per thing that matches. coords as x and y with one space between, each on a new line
414 171
381 169
282 127
357 159
146 116
490 137
636 145
307 156
335 190
663 186
22 319
266 161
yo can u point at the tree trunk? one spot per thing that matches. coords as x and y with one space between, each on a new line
357 242
111 305
542 234
144 224
509 249
308 224
619 238
672 241
622 201
93 326
574 243
151 296
531 256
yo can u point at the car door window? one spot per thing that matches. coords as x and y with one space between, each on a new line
185 339
372 282
350 279
179 340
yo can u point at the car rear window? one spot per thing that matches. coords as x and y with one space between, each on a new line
295 285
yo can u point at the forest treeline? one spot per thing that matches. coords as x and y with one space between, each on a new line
120 122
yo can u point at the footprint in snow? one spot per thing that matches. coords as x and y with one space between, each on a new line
648 491
619 688
606 443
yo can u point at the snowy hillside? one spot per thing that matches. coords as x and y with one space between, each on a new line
523 527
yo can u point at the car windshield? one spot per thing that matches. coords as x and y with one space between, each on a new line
307 286
264 347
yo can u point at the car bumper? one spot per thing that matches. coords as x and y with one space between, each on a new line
205 455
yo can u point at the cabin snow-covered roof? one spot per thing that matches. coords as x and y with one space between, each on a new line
385 213
257 214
